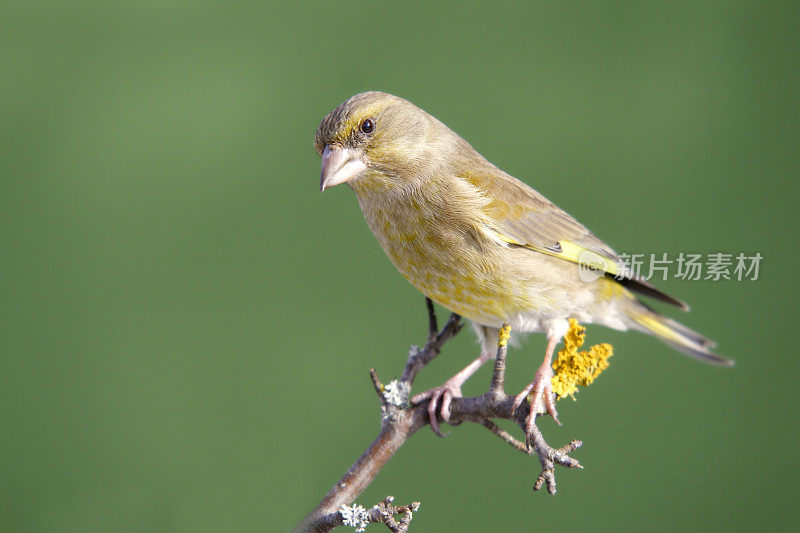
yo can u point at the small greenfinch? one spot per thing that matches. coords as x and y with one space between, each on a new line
482 243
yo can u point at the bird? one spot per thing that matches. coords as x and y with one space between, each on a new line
482 243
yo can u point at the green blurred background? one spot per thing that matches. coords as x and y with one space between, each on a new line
187 324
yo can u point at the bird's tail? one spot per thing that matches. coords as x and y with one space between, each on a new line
674 334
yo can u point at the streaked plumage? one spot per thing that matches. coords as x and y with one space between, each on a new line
475 239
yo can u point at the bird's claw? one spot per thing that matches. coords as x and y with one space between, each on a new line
440 396
541 394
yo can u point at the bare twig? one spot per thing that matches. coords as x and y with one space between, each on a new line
506 436
433 323
499 373
383 512
418 358
377 384
400 421
548 456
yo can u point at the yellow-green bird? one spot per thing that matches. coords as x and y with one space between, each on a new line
480 242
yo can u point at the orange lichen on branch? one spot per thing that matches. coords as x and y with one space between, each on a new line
573 367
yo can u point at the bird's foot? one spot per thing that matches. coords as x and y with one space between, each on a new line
541 396
441 395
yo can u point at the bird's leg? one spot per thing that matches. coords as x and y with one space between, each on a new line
450 389
542 388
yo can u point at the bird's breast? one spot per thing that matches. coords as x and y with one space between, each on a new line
444 256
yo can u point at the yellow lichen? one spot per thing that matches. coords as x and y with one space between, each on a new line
505 334
572 367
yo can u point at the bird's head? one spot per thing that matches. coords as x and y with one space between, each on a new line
378 141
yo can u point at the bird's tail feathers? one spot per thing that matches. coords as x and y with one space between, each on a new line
674 334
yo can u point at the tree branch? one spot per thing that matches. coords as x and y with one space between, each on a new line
419 358
399 421
506 436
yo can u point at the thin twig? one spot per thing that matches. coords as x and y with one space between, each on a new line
377 384
385 512
506 436
499 374
418 359
433 323
382 512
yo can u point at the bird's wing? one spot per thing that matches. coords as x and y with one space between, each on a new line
523 217
518 215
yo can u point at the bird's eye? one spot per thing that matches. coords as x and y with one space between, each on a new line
367 126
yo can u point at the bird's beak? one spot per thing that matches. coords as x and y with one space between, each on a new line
340 165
